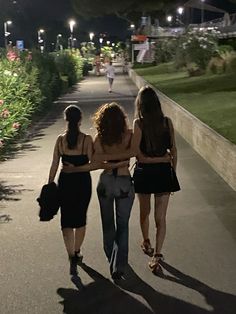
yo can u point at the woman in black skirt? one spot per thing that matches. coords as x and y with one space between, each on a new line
153 175
74 148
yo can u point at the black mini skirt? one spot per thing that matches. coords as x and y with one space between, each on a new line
155 178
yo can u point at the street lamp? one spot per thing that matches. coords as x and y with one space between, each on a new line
6 33
71 24
202 11
74 45
40 39
101 41
58 42
91 35
169 18
180 12
108 42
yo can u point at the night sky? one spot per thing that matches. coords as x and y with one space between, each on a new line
53 15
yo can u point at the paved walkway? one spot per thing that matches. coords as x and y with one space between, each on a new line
200 272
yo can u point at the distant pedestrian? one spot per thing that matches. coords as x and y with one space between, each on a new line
97 64
155 133
110 72
73 147
115 188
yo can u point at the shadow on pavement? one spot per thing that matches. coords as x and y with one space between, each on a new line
103 297
9 192
5 218
34 132
221 302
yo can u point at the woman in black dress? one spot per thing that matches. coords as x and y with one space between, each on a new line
155 134
74 148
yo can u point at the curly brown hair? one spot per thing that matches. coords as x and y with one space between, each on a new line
110 120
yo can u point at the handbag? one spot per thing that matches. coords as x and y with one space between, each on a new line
49 201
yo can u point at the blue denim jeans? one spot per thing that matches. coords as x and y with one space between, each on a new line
116 196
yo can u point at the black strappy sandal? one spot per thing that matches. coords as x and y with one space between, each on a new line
154 264
147 248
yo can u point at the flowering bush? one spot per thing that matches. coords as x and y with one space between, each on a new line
19 95
165 50
28 82
198 46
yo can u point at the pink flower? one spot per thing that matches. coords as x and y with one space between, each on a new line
5 113
12 55
16 125
1 102
1 143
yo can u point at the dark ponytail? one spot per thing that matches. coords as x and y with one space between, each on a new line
73 115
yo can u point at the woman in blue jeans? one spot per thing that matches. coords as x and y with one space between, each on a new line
115 189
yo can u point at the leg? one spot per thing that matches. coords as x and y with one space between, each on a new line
145 207
123 208
69 240
161 203
108 224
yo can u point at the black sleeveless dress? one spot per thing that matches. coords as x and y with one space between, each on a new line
75 193
155 178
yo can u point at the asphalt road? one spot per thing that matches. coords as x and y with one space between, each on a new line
200 256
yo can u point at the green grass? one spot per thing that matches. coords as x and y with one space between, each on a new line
211 98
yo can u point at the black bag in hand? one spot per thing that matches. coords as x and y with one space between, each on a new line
48 201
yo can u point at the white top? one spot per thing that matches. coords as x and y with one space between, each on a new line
110 70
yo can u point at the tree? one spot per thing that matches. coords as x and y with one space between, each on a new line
126 9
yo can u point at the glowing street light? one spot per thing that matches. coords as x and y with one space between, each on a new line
58 42
91 35
108 42
40 39
6 33
132 26
180 10
72 23
101 41
169 18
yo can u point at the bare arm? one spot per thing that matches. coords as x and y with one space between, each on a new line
55 161
173 150
93 164
134 150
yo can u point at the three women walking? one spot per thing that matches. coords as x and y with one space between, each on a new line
152 142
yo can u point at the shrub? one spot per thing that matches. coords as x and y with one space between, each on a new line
20 95
165 50
199 46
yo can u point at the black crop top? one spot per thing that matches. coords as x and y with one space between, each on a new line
76 160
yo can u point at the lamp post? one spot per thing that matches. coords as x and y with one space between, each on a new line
71 24
169 18
100 41
58 42
180 12
202 11
91 35
41 42
6 33
108 42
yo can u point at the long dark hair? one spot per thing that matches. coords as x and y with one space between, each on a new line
110 120
73 115
155 130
